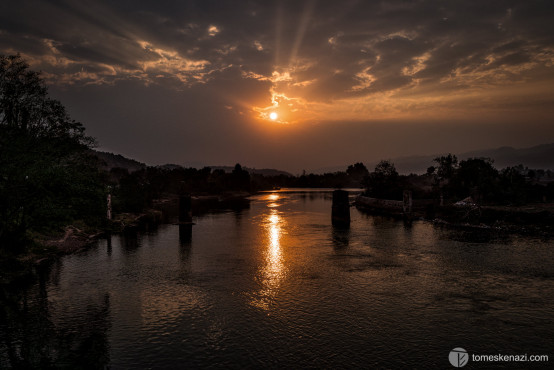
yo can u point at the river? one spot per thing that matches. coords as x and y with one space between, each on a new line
274 285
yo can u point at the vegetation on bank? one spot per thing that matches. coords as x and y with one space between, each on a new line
47 176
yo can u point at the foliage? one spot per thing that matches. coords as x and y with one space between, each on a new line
512 186
358 173
477 177
384 181
442 174
446 166
131 193
47 174
25 105
240 179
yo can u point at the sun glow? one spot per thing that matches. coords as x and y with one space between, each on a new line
283 110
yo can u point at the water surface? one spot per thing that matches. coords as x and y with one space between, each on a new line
275 285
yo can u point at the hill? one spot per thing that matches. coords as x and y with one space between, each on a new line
253 171
538 157
111 160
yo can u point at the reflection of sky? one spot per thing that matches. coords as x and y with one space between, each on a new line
271 274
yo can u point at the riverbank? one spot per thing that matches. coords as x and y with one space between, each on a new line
530 219
78 237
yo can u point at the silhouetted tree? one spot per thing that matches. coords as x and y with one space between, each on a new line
240 179
446 166
386 169
25 105
477 177
384 181
357 173
47 175
512 187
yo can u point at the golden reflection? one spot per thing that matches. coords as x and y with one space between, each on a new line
271 274
273 197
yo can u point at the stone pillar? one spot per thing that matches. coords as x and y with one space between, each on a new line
341 209
185 209
109 215
109 243
407 206
407 202
185 234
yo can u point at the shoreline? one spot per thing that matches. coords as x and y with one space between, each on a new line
75 239
529 219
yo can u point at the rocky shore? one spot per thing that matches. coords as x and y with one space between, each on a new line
76 238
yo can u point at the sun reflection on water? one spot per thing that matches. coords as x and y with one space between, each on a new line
273 271
273 198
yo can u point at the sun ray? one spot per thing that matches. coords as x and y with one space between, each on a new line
306 17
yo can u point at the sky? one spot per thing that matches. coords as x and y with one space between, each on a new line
196 82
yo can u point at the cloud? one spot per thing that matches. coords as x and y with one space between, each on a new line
307 56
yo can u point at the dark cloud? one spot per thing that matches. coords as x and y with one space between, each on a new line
250 34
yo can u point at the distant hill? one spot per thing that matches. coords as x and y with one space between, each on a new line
170 166
536 157
229 169
111 160
254 171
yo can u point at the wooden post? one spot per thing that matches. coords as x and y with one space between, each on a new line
185 209
341 209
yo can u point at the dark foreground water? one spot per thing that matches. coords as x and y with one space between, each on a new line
276 286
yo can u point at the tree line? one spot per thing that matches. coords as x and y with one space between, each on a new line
447 179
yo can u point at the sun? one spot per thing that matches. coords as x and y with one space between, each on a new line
273 116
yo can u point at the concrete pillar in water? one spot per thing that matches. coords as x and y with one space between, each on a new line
109 214
341 208
185 235
109 241
407 201
185 208
407 205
